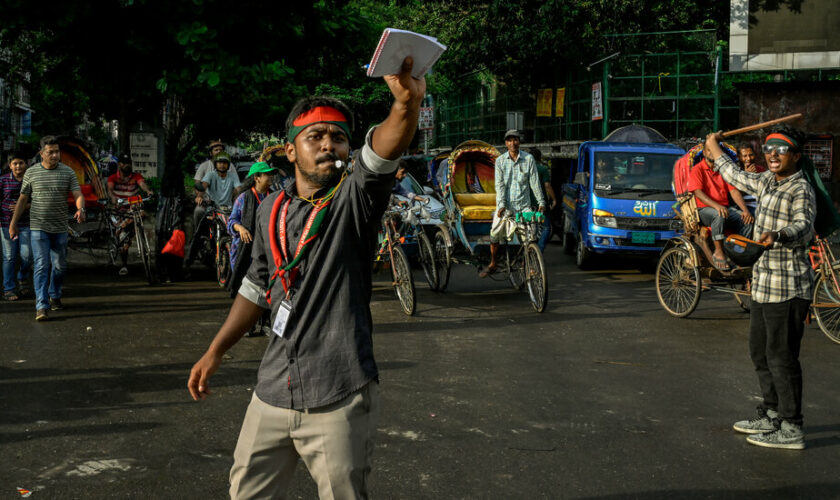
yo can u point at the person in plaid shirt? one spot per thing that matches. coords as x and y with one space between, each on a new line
516 179
782 284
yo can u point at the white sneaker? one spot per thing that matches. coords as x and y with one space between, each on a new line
123 271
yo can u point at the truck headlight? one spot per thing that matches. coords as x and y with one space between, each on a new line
604 219
675 225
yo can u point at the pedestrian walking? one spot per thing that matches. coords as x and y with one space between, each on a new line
544 175
17 253
317 395
46 185
241 226
782 283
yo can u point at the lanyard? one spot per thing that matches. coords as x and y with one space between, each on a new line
289 272
256 195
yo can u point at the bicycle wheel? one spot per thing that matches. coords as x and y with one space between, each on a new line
403 281
223 260
678 282
443 256
826 306
427 259
516 267
144 250
535 277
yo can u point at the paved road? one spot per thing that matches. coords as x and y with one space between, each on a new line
602 396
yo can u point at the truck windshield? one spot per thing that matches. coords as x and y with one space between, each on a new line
638 173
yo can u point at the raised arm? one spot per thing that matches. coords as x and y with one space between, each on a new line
393 135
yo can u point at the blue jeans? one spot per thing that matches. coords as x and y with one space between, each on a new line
546 231
710 217
12 250
49 252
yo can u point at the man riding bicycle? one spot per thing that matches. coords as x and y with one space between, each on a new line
218 190
122 185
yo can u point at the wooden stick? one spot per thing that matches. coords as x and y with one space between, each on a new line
757 126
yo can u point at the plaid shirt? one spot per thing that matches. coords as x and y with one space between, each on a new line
788 206
515 181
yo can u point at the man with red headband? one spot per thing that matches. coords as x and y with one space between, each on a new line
317 389
782 284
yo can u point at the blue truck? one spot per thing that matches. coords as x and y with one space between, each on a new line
619 200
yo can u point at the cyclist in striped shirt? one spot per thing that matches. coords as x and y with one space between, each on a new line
123 185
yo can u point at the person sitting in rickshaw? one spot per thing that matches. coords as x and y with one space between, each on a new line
713 206
472 181
401 190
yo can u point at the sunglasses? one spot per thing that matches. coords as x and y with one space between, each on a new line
769 148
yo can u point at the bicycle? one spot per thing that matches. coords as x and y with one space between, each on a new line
131 218
390 249
826 300
211 242
523 262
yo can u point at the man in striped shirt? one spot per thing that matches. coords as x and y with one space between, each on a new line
122 185
46 185
782 284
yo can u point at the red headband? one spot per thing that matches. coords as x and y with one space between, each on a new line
781 137
319 114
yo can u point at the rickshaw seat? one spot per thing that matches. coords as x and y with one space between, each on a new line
476 206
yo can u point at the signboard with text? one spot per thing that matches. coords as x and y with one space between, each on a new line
597 102
544 98
560 104
144 153
427 118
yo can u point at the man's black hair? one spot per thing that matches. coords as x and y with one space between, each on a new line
312 102
16 155
746 144
49 140
800 136
537 154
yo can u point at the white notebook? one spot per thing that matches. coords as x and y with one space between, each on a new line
395 45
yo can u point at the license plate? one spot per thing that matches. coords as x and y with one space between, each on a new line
642 238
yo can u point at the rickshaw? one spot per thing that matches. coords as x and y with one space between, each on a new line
685 267
94 231
464 236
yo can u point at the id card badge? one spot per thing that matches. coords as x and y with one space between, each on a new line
282 319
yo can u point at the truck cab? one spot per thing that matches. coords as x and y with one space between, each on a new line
619 200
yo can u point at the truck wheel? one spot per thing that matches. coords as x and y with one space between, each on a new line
568 237
583 256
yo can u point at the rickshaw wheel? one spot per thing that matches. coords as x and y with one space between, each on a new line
517 272
403 281
443 255
427 259
678 283
536 279
745 301
828 318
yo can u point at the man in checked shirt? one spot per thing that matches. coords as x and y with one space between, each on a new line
781 286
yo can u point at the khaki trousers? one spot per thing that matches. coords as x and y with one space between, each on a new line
335 442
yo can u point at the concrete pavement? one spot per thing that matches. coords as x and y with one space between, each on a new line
602 396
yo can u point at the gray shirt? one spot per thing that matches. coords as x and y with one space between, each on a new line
221 190
328 352
208 166
48 189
